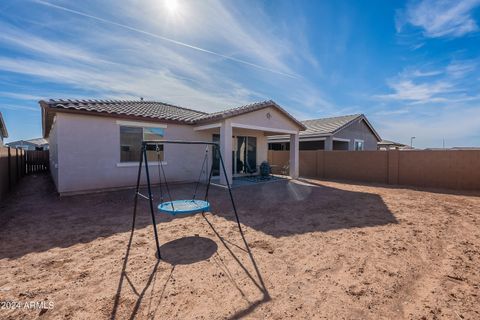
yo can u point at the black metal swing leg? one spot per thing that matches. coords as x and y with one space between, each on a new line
143 156
151 203
230 193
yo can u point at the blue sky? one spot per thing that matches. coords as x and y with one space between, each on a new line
412 67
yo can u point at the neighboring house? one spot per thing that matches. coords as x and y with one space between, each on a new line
96 144
391 145
352 132
32 144
3 130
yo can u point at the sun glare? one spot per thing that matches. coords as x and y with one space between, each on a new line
171 5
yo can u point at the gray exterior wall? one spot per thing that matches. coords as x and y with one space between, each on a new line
358 130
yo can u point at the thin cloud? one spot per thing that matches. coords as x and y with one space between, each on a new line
407 90
440 85
431 128
111 63
17 107
447 18
127 81
461 69
183 44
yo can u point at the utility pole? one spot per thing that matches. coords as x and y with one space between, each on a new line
411 142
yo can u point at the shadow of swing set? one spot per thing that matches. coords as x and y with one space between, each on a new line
178 207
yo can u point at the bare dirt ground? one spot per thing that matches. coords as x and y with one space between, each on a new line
319 250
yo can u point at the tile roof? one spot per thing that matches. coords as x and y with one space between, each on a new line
327 125
37 141
3 127
146 109
150 109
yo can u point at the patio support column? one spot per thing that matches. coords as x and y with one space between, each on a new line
294 155
226 150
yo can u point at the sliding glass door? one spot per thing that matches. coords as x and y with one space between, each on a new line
244 155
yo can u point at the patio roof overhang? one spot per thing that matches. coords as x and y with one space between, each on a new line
268 131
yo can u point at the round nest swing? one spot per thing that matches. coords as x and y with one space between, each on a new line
184 206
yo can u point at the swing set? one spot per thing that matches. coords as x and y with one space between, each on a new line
177 207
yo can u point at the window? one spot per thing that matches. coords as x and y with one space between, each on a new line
358 145
131 143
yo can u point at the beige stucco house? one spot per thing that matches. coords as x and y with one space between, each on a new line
96 144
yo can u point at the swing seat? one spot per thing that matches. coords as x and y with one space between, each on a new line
184 206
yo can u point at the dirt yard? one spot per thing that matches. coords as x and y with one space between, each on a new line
319 250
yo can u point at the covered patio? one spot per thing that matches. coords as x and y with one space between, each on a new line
243 134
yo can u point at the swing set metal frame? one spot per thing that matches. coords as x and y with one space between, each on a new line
149 197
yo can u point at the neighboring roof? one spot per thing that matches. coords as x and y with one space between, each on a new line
391 143
454 148
330 126
156 111
325 126
37 141
3 127
465 148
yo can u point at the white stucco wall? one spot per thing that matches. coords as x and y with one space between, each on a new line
89 154
53 154
260 118
85 150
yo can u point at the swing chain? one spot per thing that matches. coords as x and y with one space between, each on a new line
201 172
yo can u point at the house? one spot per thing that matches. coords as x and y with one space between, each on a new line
96 144
3 130
32 144
391 145
352 132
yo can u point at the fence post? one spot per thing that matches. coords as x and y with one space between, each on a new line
9 170
321 164
393 166
17 169
24 166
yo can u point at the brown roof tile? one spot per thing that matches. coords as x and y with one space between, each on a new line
146 109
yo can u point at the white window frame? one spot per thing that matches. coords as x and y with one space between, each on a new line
141 125
355 144
341 139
